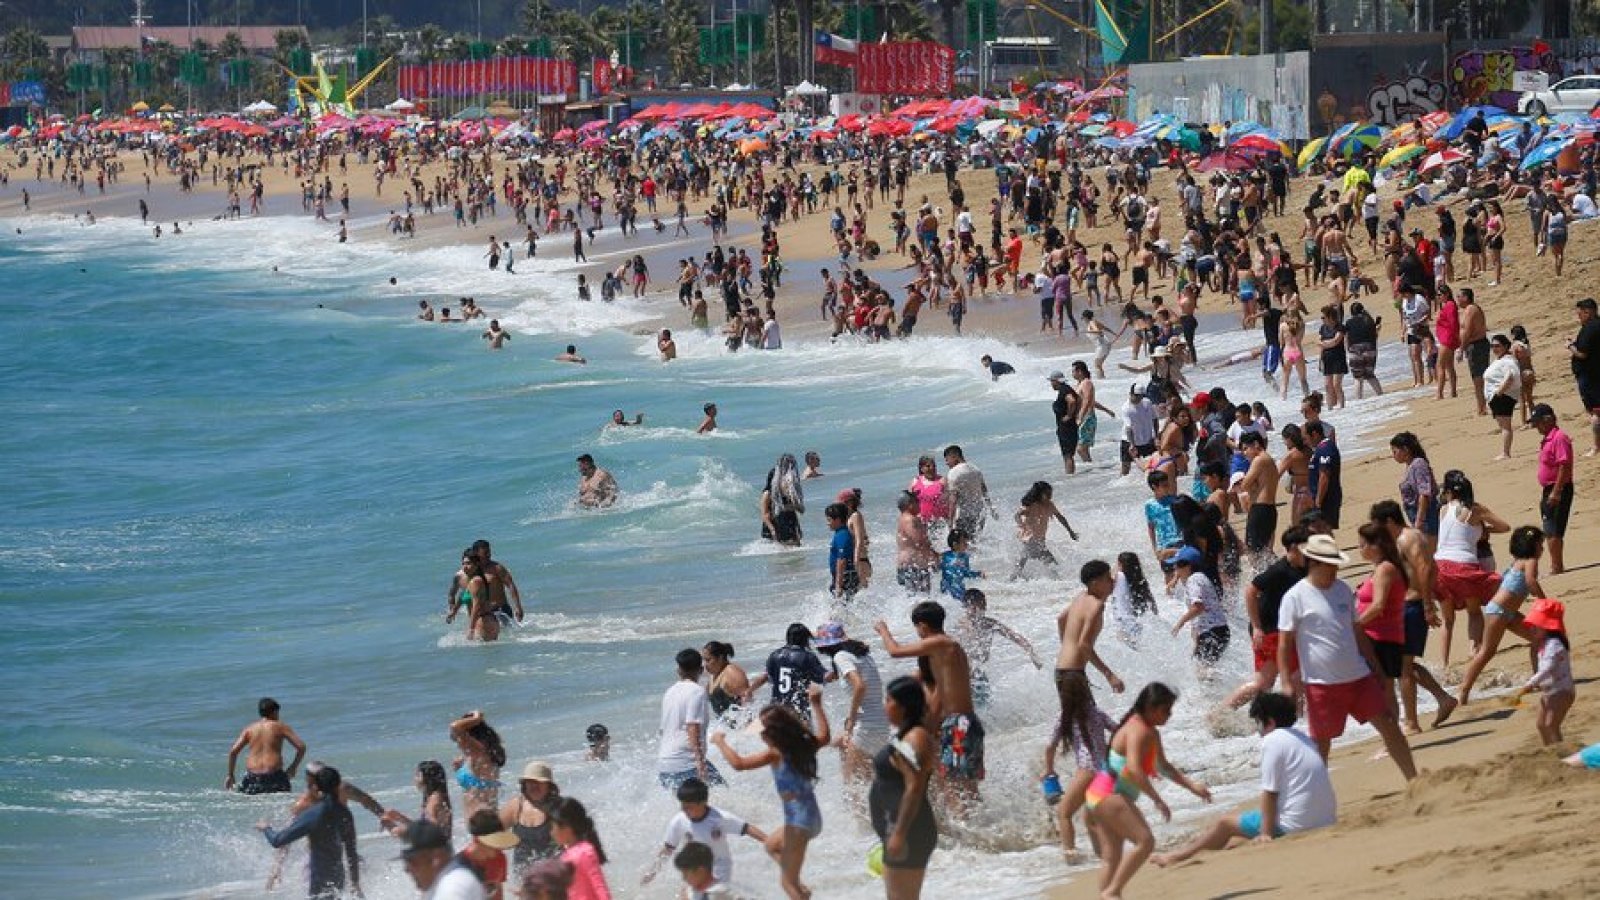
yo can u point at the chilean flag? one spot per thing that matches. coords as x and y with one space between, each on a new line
836 50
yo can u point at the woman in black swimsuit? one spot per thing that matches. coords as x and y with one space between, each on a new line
729 683
900 774
528 816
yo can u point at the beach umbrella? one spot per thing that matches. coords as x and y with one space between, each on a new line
565 134
260 107
1443 158
1228 162
1260 142
590 127
592 143
1401 154
1546 151
1364 135
1311 151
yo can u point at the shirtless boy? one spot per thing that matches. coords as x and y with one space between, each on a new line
949 697
1260 484
264 769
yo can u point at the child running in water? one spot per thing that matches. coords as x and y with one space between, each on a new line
976 633
1131 598
791 752
955 566
1033 522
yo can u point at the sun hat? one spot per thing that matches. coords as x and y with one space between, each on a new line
828 634
488 831
1160 352
848 494
1057 375
1547 613
538 771
1323 548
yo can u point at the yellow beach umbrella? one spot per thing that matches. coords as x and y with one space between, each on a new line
1311 151
1401 154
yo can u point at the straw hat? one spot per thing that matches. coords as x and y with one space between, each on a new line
538 771
1323 548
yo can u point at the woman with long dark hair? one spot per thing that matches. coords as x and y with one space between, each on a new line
1134 757
791 753
434 785
901 814
477 769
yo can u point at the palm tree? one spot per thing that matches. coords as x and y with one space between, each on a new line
681 33
430 41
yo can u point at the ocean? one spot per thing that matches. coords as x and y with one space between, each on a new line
238 467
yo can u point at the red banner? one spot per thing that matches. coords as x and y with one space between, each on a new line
921 68
501 75
600 72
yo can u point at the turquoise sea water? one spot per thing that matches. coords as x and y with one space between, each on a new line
216 490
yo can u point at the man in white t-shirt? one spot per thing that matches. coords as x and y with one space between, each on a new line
700 822
685 719
1317 619
1296 793
969 493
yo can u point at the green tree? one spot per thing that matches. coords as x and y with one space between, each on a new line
681 34
1291 28
430 42
23 51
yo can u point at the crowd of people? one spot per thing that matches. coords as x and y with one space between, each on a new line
1323 652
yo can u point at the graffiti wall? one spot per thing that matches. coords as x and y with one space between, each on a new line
1485 76
1387 83
1268 89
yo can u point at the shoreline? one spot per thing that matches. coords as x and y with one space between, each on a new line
1459 762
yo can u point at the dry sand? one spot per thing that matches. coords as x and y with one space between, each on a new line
1493 814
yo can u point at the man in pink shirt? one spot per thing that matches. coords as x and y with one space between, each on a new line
1555 482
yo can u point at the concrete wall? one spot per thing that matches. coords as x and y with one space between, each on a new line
1384 78
1272 90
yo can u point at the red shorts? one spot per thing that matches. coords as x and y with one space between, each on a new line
1328 705
1459 582
1268 653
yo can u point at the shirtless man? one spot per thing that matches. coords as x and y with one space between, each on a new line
621 421
499 581
496 336
667 346
1474 343
1088 421
1337 255
596 487
1260 484
1421 612
1079 627
427 311
882 320
264 769
709 424
947 677
571 356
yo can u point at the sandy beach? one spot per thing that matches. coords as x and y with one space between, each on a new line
1492 813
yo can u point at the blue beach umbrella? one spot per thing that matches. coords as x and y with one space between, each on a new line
1546 151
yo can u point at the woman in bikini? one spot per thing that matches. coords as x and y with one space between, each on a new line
1296 464
477 769
1135 758
1291 332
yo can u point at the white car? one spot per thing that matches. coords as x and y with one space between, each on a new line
1579 94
